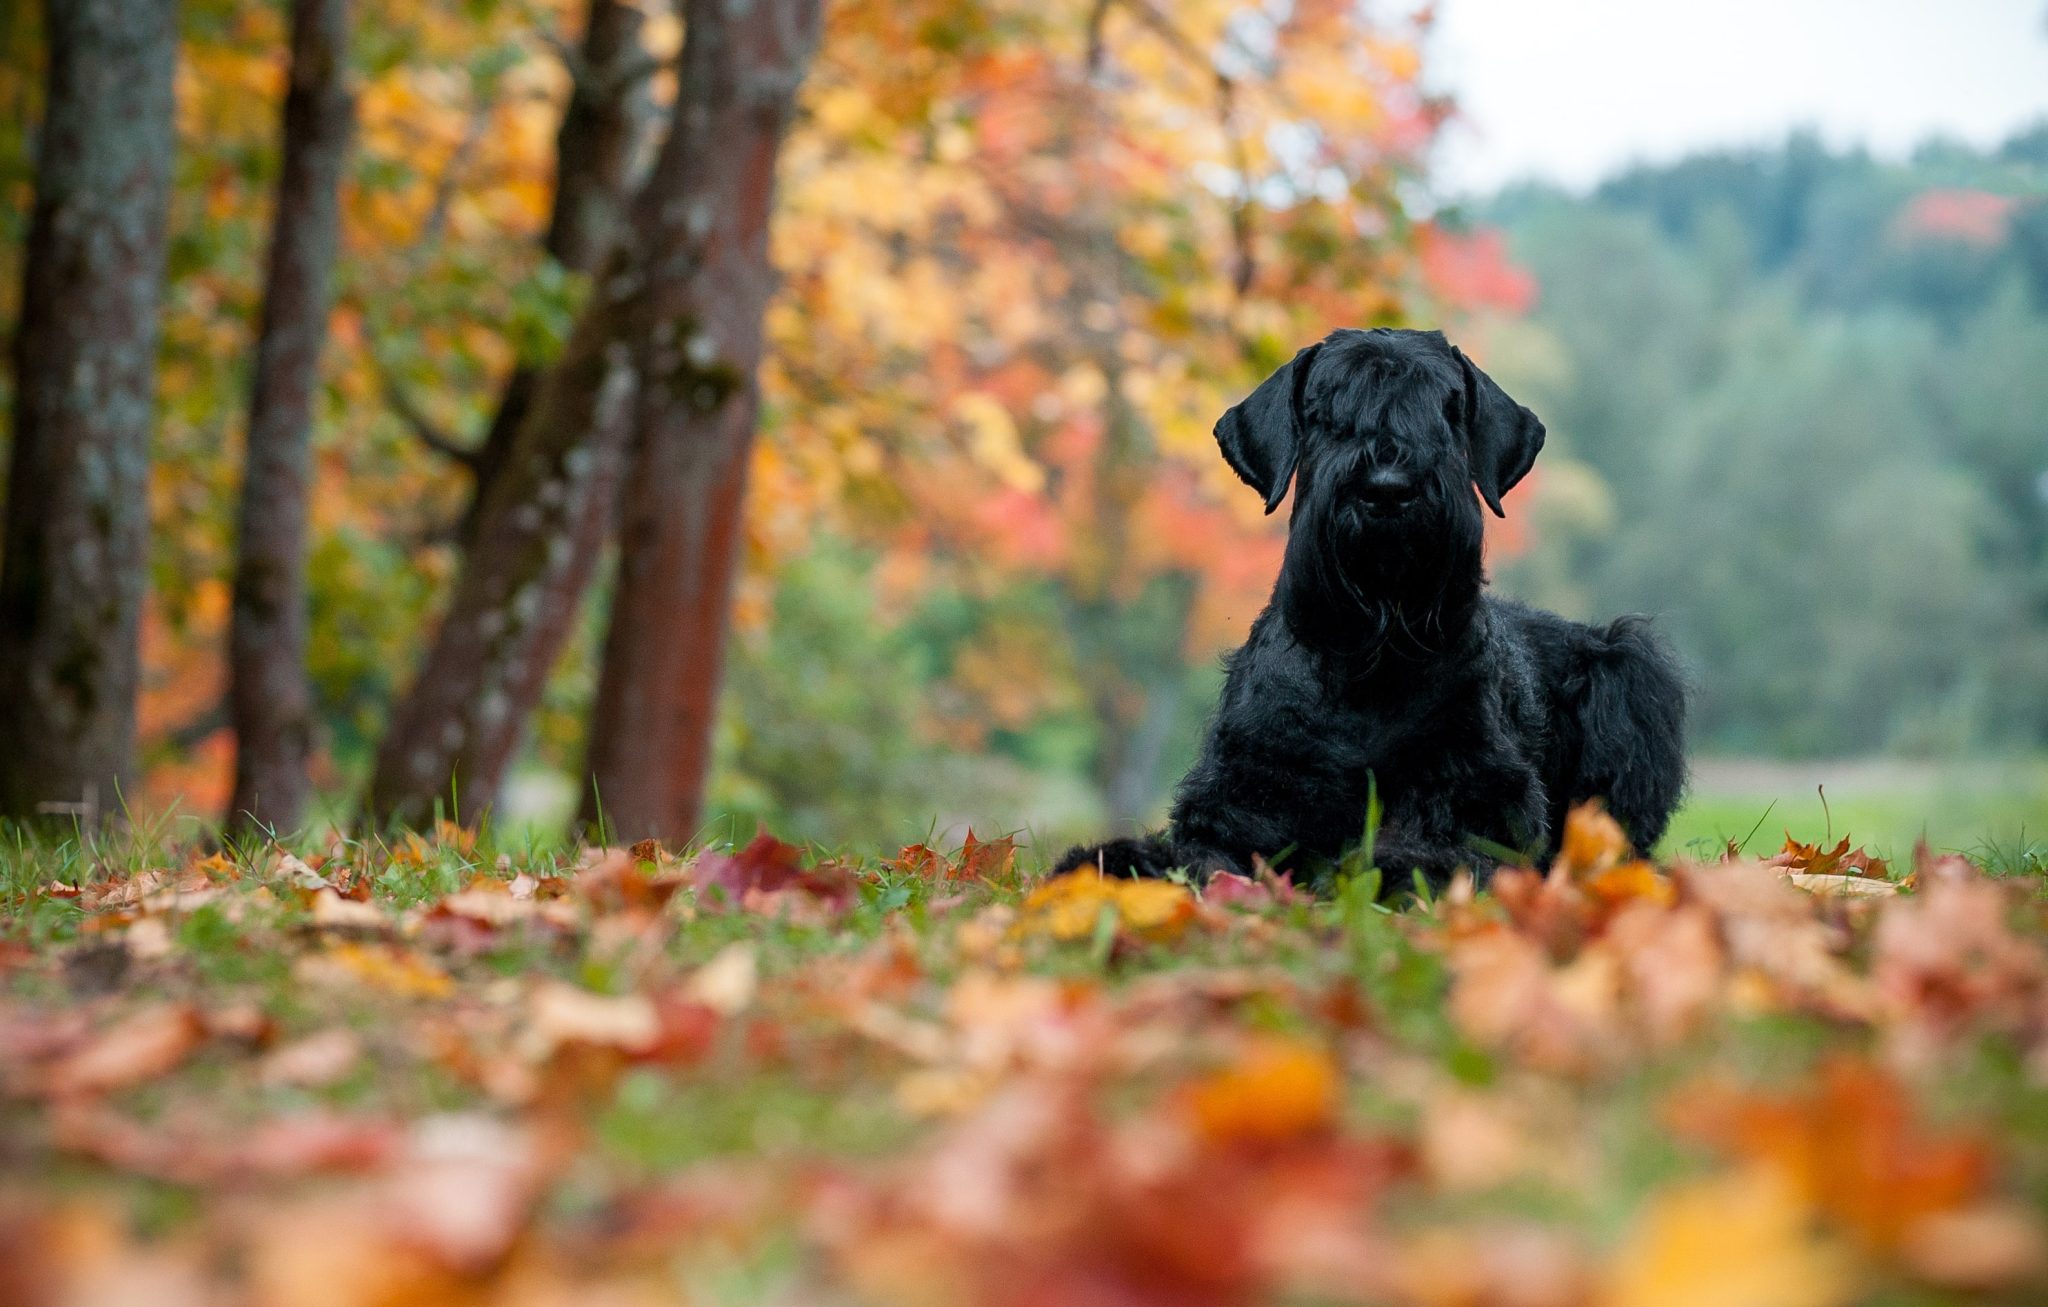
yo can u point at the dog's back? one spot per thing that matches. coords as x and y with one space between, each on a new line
1610 715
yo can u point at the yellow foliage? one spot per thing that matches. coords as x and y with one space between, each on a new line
1070 907
1740 1240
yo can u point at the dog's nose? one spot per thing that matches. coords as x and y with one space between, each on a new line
1388 487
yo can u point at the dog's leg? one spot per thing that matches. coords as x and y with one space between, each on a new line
1632 726
1460 818
1152 856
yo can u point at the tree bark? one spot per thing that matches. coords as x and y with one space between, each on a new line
698 355
270 699
76 533
542 509
594 151
539 531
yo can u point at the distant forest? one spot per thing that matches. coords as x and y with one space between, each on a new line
1798 403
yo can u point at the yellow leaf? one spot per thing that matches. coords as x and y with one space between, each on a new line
1068 907
392 970
1739 1240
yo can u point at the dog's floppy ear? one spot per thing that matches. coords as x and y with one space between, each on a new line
1503 437
1261 435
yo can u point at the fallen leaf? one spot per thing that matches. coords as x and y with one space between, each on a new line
385 967
333 912
1740 1240
992 861
1593 840
1070 907
143 1046
725 984
566 1014
1841 860
768 877
1279 1089
1814 882
314 1061
921 861
1850 1146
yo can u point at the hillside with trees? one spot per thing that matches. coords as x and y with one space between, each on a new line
1798 403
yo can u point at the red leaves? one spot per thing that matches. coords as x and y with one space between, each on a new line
1263 889
768 876
1948 962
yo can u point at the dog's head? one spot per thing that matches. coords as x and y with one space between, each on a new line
1385 435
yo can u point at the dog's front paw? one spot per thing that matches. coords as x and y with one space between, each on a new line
1149 856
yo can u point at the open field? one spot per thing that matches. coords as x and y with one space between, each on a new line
1986 808
444 1071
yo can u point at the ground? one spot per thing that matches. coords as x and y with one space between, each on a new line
463 1070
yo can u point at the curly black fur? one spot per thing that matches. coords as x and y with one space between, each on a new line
1381 660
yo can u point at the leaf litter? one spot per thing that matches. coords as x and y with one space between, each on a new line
755 1075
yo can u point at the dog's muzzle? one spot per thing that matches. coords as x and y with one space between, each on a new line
1387 491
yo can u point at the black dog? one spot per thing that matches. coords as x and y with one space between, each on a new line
1381 661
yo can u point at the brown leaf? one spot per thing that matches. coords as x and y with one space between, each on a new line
385 967
613 880
1976 1249
1814 882
1841 860
314 1061
921 861
993 861
145 1045
564 1014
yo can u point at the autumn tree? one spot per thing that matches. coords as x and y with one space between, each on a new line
270 701
540 522
1105 222
697 356
478 687
77 516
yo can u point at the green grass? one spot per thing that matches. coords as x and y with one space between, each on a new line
1996 812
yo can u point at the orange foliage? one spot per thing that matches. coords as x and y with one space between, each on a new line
1030 250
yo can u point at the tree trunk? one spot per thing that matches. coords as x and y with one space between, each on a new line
698 354
594 151
539 531
77 517
541 511
270 700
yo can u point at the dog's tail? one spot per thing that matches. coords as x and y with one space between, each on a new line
1632 718
1146 855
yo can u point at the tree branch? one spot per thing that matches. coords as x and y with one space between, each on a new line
424 428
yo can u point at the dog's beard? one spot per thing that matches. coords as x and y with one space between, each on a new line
1368 585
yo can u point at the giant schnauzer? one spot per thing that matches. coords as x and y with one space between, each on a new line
1382 662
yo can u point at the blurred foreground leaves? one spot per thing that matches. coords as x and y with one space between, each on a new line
451 1072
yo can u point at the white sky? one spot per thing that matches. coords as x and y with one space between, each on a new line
1570 90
